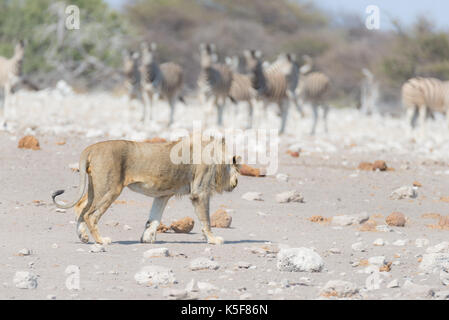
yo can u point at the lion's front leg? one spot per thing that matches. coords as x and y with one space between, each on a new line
149 234
201 204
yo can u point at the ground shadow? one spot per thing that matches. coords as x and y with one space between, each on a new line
132 242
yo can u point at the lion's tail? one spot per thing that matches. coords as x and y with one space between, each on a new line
82 186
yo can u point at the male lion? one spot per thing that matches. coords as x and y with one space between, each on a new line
147 168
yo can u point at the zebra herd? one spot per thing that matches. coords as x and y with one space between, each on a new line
252 80
246 78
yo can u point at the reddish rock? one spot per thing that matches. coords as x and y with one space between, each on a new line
29 142
162 228
246 170
294 154
220 219
185 225
380 165
396 219
365 166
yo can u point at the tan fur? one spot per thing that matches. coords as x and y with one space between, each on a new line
147 168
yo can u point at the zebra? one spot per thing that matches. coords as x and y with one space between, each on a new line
165 79
422 96
215 79
270 82
131 71
11 75
313 88
241 88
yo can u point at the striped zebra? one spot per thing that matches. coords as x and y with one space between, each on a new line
313 88
10 75
422 96
241 88
369 92
270 82
164 79
131 71
215 79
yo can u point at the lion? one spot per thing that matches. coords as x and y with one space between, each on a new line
147 168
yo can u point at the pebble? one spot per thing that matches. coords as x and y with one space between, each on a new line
203 263
347 220
419 243
339 289
289 196
379 242
282 177
405 192
401 242
156 253
253 196
358 246
393 284
206 286
24 252
246 296
96 248
25 280
378 261
299 260
155 275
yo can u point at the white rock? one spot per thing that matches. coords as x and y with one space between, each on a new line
442 295
439 248
96 248
378 261
126 227
339 289
24 252
417 289
289 196
432 262
358 246
421 243
25 280
192 286
246 296
299 260
243 265
393 284
253 196
203 263
206 286
282 177
347 220
405 192
444 276
335 250
51 297
155 275
379 242
400 242
156 253
384 228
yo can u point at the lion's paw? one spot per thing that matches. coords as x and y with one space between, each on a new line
216 240
106 240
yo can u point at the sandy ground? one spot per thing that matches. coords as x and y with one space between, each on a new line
325 174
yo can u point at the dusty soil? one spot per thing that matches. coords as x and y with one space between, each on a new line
327 177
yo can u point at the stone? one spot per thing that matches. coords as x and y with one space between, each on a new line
442 295
339 289
29 142
252 196
396 219
24 252
417 289
299 260
405 192
246 296
347 220
282 177
393 284
289 196
419 243
378 261
156 253
379 242
246 170
243 265
439 248
358 246
184 225
206 286
25 280
96 248
220 219
203 263
155 275
444 275
383 228
432 262
380 165
400 242
162 228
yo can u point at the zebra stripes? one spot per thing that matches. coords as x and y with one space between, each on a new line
165 79
215 79
241 88
131 71
270 82
11 74
421 96
313 88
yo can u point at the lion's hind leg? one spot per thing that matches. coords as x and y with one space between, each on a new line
81 227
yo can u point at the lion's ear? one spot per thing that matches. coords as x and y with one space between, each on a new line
237 162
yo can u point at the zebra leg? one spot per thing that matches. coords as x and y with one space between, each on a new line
298 106
422 120
171 102
412 115
283 106
250 115
325 113
146 102
6 101
315 119
220 107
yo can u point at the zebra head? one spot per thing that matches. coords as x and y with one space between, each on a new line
208 54
148 52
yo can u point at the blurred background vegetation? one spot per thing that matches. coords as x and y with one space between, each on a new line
92 56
